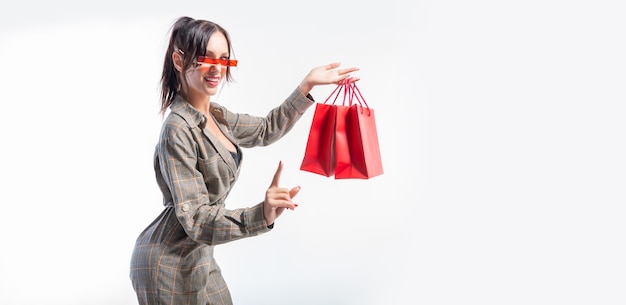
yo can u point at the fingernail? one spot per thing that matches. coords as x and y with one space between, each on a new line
295 204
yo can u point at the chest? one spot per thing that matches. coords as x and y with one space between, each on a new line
218 134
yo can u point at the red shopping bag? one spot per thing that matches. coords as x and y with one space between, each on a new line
343 140
357 151
319 156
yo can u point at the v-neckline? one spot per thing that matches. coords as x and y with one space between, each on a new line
222 137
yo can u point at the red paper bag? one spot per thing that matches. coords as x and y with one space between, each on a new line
357 150
319 156
343 140
343 160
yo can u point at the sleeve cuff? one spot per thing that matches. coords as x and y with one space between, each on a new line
301 102
255 220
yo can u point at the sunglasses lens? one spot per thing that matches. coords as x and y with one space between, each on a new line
217 61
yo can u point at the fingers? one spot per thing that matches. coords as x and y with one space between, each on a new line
278 197
348 70
279 193
294 191
281 197
281 204
284 204
332 65
344 75
341 72
276 179
347 80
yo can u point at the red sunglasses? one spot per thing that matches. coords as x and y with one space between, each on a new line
216 61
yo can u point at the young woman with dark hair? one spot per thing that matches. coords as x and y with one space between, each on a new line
197 161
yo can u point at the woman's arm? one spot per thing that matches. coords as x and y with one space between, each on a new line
202 220
252 131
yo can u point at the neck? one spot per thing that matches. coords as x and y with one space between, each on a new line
200 102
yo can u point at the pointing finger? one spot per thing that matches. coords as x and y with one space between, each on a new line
276 179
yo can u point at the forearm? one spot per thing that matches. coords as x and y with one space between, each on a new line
261 131
214 225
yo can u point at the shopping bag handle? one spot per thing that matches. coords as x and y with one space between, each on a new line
347 95
355 94
343 84
350 93
335 93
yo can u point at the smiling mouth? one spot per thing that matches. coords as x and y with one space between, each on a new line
212 80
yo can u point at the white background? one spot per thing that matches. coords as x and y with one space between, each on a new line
501 125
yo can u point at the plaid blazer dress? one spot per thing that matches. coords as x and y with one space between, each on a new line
172 261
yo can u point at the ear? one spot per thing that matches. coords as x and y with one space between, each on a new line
178 61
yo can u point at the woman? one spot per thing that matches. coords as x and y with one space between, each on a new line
197 162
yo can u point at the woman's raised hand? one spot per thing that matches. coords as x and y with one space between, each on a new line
277 199
327 74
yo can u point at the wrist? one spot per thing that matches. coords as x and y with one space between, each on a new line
305 87
267 215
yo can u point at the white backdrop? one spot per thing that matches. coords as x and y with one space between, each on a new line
501 125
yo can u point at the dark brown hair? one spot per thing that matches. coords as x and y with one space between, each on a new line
191 36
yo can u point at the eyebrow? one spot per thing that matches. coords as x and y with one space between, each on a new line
209 54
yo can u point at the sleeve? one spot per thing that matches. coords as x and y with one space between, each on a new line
253 131
202 221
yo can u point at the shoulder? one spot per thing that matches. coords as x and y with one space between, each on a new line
218 110
176 131
174 122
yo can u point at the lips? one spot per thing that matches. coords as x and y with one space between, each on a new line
212 80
